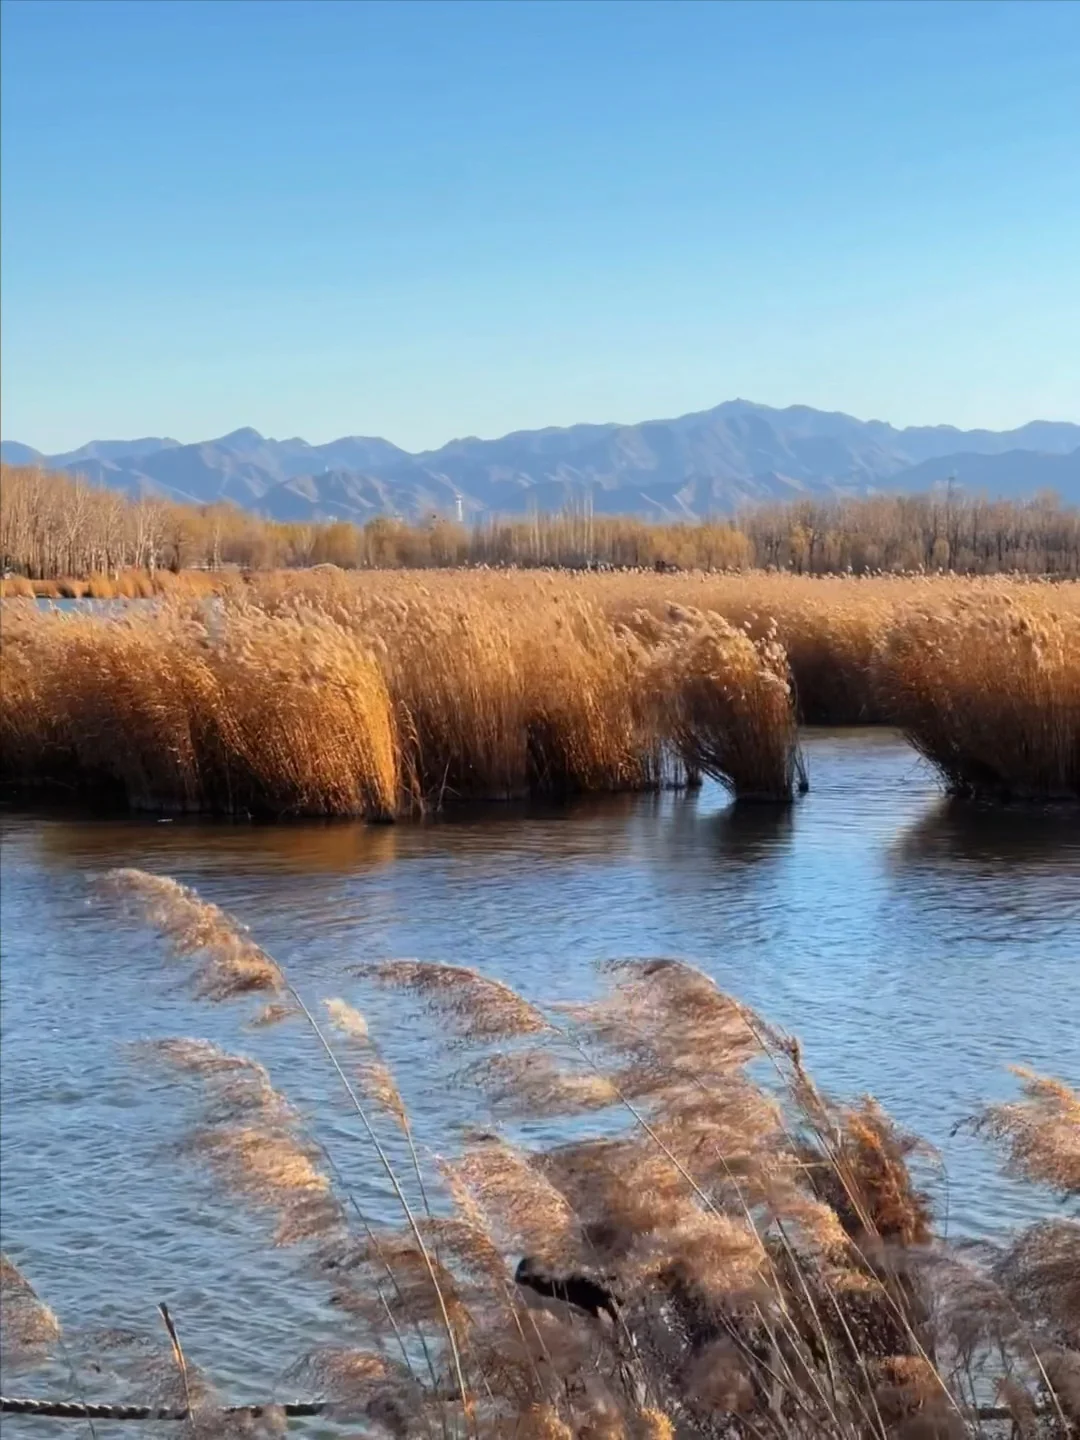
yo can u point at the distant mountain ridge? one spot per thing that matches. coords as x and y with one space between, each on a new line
709 462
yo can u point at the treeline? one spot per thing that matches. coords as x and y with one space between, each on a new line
939 531
52 525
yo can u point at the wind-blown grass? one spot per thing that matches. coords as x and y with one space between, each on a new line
767 1264
988 689
357 704
327 693
728 702
176 710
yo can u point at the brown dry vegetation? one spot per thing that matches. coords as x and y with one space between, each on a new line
176 710
380 693
989 691
772 1267
127 584
53 525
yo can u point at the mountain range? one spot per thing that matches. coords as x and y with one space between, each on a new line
711 462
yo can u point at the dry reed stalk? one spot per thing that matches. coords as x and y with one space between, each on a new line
267 1160
16 587
767 1264
377 1081
988 689
592 724
458 687
180 709
497 700
828 629
335 693
306 716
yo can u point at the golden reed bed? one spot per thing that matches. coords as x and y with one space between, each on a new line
378 693
715 1249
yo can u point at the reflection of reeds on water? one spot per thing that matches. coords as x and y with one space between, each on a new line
748 835
968 833
315 848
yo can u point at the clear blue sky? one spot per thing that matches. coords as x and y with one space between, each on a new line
427 220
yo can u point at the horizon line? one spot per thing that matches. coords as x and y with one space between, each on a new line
542 429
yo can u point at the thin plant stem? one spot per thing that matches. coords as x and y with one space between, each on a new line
395 1184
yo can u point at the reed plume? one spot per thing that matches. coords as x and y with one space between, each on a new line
712 1246
250 1137
27 1326
477 1006
1040 1132
230 963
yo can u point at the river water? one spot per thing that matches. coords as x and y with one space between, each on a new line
916 947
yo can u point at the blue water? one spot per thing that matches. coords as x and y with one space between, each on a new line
917 949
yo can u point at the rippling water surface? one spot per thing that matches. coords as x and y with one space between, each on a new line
916 947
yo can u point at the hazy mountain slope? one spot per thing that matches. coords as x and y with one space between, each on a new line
709 462
995 475
14 453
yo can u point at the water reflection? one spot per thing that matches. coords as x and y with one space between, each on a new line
749 834
330 847
963 832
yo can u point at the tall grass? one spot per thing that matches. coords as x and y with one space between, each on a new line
321 700
379 694
128 584
728 701
988 689
178 711
494 698
767 1262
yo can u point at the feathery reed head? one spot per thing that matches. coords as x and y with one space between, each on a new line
231 963
29 1327
249 1136
376 1079
480 1008
1041 1132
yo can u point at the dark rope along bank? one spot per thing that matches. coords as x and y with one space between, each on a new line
77 1410
582 1292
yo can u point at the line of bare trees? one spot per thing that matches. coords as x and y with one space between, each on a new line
53 525
939 531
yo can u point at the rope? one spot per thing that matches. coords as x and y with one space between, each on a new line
75 1410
